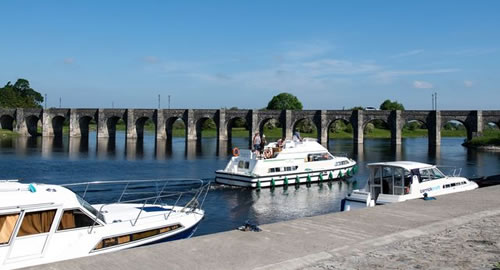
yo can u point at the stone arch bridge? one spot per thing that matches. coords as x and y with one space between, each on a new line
27 122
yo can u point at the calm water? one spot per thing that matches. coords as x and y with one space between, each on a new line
63 161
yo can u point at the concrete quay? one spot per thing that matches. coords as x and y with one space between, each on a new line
307 241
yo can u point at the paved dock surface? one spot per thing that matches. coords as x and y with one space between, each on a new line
305 242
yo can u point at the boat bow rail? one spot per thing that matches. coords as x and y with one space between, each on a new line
147 193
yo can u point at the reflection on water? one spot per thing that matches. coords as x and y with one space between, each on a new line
63 160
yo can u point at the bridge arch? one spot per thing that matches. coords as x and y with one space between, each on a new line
57 125
204 123
7 122
111 123
32 123
175 122
237 122
139 125
84 124
456 124
308 126
268 123
339 125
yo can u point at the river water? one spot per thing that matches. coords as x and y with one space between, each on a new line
49 160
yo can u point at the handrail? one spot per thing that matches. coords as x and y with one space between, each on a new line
129 181
455 171
192 206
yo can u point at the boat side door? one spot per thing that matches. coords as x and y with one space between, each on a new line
375 182
32 234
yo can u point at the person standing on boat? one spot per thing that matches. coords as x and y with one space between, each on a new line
263 142
256 142
296 137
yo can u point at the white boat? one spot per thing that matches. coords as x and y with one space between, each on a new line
42 223
295 162
398 181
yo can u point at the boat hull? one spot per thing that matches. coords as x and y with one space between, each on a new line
242 180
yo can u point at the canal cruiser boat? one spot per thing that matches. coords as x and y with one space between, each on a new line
290 162
398 181
42 223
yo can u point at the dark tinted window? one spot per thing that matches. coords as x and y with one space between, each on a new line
75 218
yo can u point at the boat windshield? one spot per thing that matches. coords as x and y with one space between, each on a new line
431 174
90 208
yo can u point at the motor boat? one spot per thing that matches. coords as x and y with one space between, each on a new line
41 223
398 181
290 162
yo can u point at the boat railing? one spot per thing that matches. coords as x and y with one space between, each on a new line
450 170
199 194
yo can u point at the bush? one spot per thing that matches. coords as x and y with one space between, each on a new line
369 128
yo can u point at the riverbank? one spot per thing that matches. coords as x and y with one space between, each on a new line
4 133
492 137
439 231
490 141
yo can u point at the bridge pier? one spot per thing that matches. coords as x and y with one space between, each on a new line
434 128
287 127
160 125
396 127
74 124
131 125
21 127
102 126
190 125
47 128
221 126
477 125
357 126
323 128
253 126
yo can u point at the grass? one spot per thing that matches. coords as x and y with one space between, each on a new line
491 137
5 133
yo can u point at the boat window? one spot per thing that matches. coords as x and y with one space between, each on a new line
285 169
340 163
398 181
437 173
319 157
7 225
89 208
430 174
376 175
75 218
387 183
126 238
36 222
243 165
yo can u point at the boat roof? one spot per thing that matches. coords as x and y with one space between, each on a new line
408 165
14 195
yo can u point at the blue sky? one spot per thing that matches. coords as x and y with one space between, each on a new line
213 54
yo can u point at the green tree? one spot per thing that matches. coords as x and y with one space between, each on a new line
20 95
391 105
284 101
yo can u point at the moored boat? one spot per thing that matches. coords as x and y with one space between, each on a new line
293 162
42 223
398 181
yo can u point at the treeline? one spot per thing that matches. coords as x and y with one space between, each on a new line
20 95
